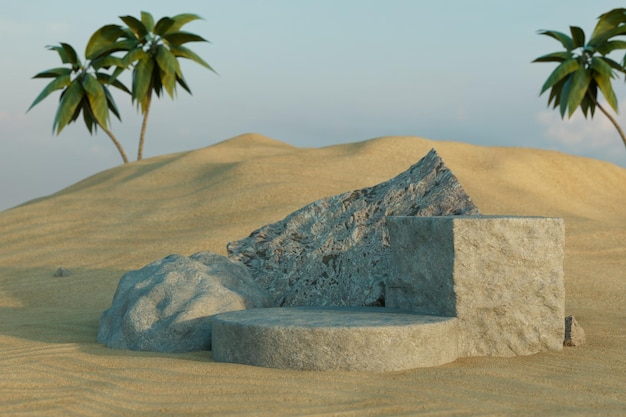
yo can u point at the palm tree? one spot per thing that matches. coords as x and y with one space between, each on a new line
84 90
585 68
153 51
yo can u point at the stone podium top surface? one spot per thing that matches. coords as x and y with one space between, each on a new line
328 317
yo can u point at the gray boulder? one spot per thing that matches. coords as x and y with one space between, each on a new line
167 305
335 251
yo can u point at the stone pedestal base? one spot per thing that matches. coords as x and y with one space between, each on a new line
340 338
502 277
460 286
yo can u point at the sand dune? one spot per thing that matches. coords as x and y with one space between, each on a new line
128 216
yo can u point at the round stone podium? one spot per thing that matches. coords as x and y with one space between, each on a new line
334 338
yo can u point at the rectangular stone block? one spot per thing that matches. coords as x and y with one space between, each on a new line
501 276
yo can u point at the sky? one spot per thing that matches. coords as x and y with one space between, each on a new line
310 73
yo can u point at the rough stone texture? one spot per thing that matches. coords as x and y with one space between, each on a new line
574 334
334 338
335 251
502 277
167 305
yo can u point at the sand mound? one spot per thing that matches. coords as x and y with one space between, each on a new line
126 217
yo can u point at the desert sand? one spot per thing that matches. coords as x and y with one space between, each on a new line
129 216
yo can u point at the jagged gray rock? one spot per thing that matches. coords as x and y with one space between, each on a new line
167 305
335 251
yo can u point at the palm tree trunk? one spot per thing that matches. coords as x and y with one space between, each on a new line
116 142
143 125
611 118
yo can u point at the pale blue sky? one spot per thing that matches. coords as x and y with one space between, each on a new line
310 73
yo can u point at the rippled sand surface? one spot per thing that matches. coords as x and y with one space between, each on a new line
126 217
